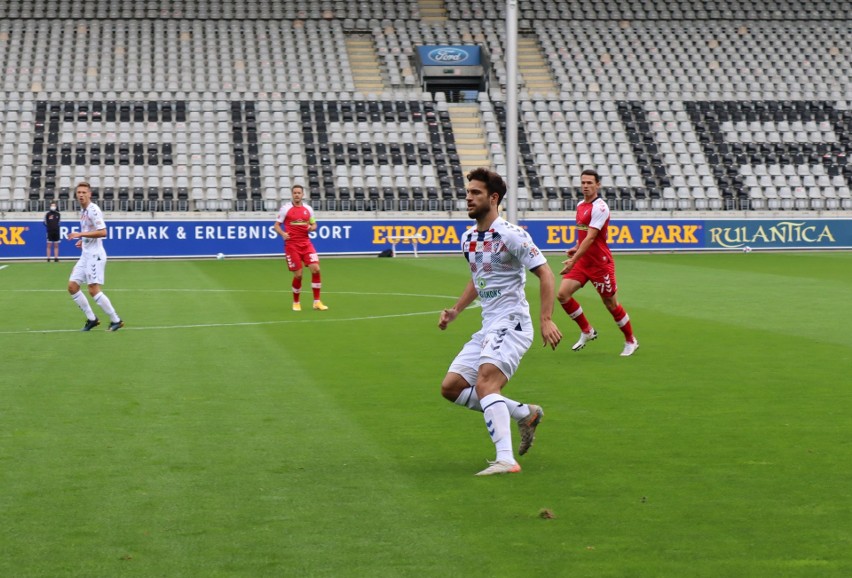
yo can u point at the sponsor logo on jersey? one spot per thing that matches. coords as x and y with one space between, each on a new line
489 294
481 284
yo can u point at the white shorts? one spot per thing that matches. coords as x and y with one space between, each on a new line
89 269
503 345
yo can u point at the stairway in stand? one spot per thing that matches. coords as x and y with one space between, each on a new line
432 10
366 72
470 137
533 67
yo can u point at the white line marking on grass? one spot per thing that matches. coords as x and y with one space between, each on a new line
237 324
287 291
287 321
247 323
3 266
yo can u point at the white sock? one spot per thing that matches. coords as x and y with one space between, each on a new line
469 399
517 410
497 421
83 304
105 304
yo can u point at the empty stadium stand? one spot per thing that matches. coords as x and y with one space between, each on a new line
223 105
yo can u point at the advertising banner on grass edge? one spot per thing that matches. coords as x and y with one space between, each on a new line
158 238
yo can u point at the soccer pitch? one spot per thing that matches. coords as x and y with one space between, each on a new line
222 434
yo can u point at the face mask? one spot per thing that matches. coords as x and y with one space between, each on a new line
52 207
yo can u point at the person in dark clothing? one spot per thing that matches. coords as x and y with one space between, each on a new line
51 224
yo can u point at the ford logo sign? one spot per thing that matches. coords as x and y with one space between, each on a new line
454 55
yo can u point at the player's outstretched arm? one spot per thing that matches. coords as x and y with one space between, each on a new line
449 315
549 331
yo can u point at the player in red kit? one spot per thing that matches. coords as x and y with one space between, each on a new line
298 222
591 260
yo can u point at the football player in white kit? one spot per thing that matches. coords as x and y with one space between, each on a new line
499 254
90 267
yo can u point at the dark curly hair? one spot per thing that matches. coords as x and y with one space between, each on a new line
494 183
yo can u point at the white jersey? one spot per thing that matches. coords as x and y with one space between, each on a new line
499 259
92 219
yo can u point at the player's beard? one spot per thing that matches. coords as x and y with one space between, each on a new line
476 212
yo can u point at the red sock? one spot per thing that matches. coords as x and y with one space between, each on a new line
622 319
316 285
575 312
297 288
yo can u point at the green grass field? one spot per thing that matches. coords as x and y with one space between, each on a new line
221 434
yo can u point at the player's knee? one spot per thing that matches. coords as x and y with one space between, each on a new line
563 295
73 287
450 389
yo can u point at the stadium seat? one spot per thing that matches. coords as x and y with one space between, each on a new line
265 87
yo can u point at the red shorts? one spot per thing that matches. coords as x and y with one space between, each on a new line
298 255
602 276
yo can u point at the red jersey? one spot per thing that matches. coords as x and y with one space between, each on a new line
594 215
296 221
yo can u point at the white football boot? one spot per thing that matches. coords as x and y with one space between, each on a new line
500 468
630 348
584 338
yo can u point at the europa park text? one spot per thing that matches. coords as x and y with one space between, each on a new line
622 234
